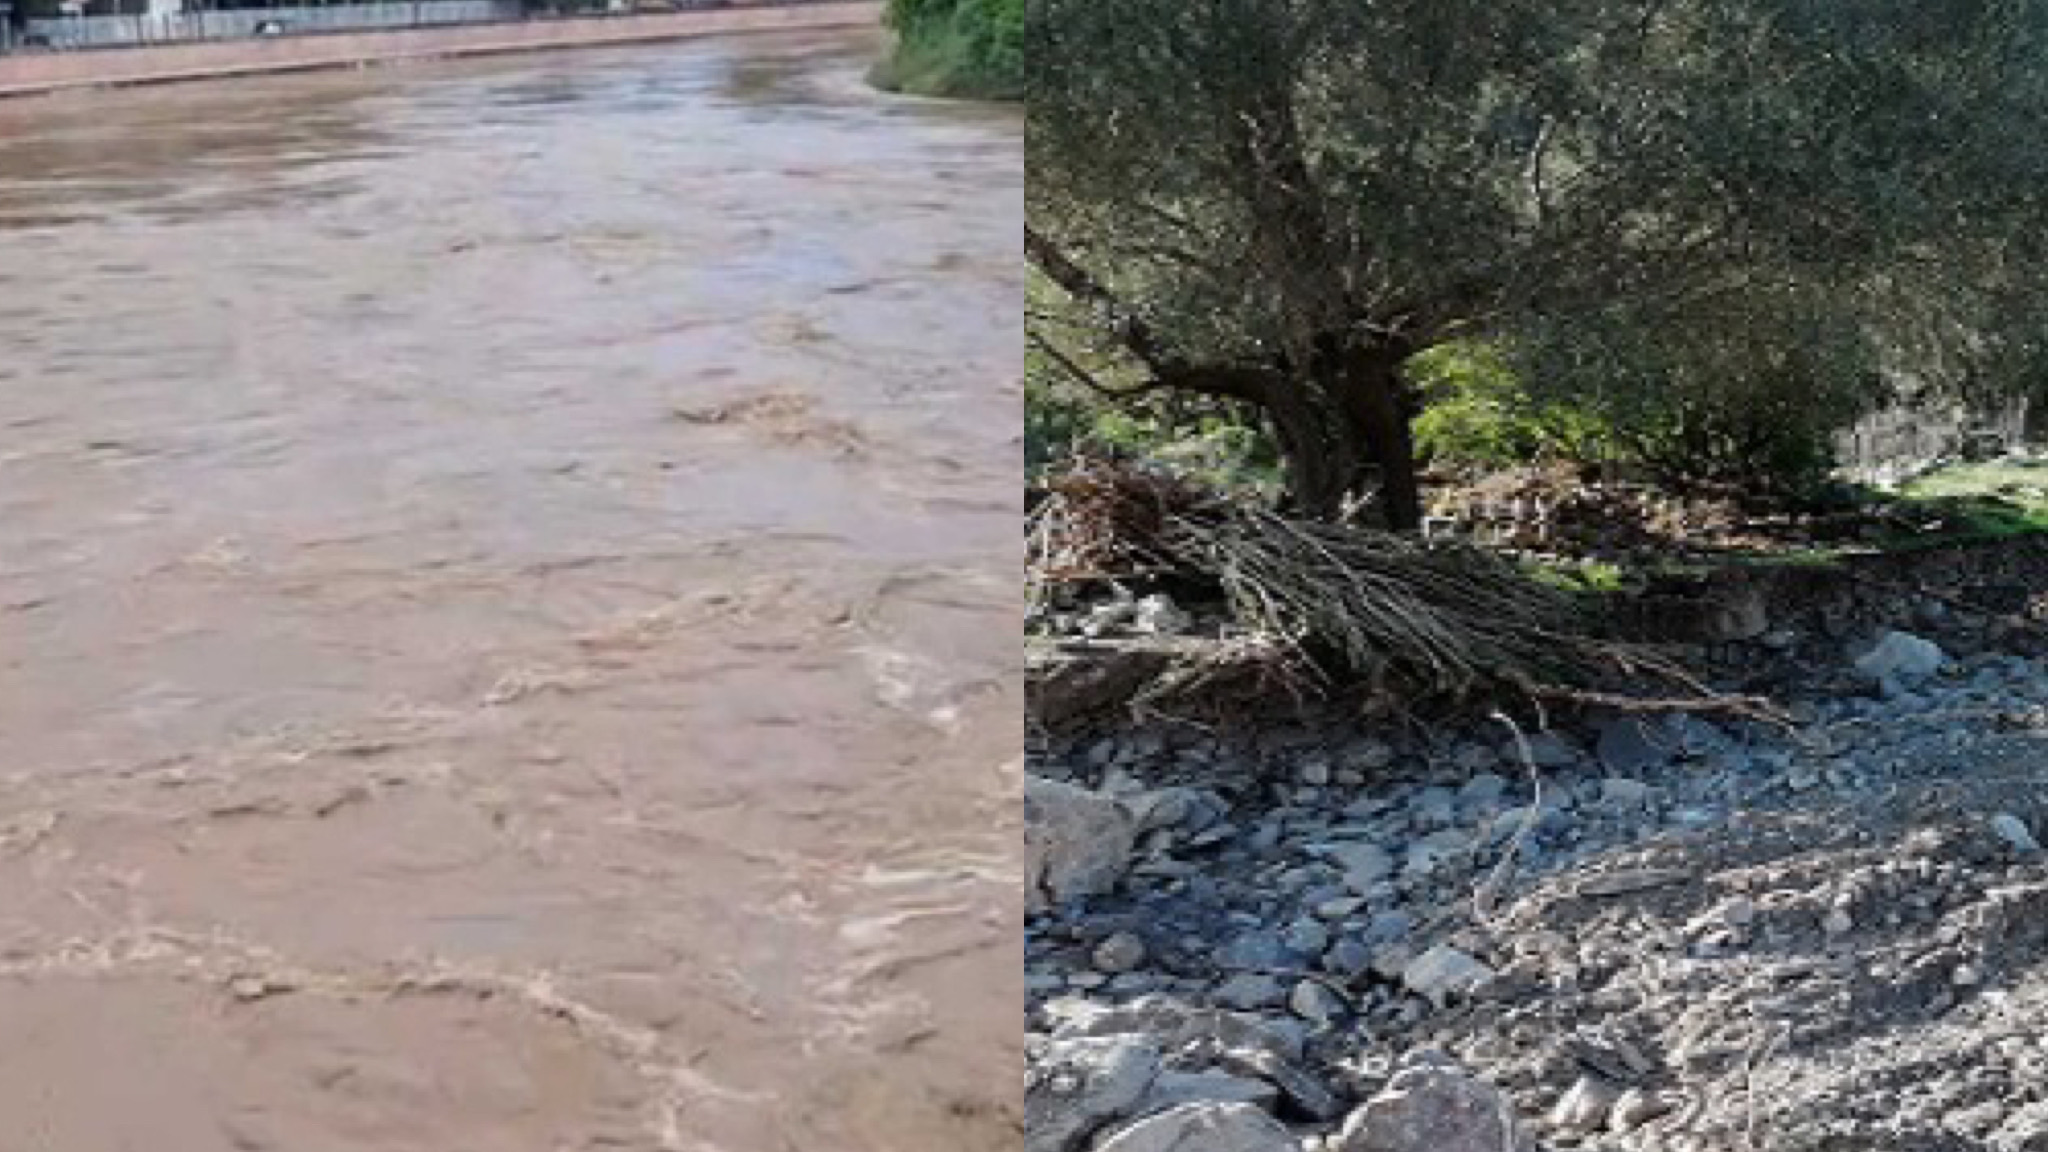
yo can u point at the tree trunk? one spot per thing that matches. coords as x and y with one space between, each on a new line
1315 481
1375 403
1351 408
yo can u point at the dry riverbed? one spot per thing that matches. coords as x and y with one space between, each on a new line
1675 935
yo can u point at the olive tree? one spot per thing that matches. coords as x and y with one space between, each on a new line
1277 203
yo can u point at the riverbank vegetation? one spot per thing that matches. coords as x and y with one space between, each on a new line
964 48
1602 284
1698 238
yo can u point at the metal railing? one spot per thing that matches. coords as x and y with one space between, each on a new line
69 33
172 27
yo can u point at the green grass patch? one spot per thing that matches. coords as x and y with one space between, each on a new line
1582 576
1975 503
2020 481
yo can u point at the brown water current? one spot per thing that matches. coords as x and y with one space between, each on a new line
509 611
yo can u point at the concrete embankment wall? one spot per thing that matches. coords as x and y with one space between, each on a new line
49 72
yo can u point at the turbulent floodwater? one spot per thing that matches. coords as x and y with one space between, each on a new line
508 610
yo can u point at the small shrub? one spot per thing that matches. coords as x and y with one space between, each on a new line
969 48
1746 390
1478 411
1774 444
1206 445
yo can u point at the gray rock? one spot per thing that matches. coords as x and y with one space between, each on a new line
1368 807
1203 1128
1444 973
1266 836
1302 1090
1180 808
1120 952
1482 792
1429 1107
1636 1108
1630 746
1076 842
1733 762
1622 792
1177 1025
1697 738
1314 1002
1387 926
1076 1087
1158 615
2015 833
1250 992
1256 949
1042 983
1390 959
1429 854
1901 658
1974 1119
1587 1106
1363 864
1434 807
1735 912
1306 937
1369 756
1549 750
1172 1088
1347 958
1134 983
1123 784
1474 758
1338 907
1509 821
1295 880
2024 1129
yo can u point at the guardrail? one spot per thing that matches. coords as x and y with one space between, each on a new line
173 27
73 33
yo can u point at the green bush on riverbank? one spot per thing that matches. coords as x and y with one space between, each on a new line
968 48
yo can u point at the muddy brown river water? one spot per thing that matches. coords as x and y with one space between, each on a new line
509 610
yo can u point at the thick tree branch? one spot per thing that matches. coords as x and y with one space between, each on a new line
1085 378
1130 330
1247 382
